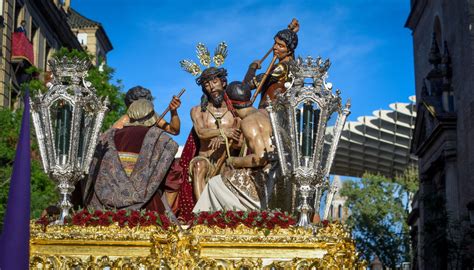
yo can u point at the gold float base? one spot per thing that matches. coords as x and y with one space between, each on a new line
199 247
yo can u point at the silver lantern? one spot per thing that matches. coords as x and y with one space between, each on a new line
67 120
305 144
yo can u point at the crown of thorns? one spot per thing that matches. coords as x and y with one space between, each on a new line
210 73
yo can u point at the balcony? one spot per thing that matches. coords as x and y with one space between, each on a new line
22 48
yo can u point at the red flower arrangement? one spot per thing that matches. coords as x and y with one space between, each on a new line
133 218
252 219
122 218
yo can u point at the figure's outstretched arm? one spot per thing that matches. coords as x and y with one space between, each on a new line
174 126
250 75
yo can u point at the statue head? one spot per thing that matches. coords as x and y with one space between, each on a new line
136 93
213 82
141 113
239 94
285 44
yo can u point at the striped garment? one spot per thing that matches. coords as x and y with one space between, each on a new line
128 161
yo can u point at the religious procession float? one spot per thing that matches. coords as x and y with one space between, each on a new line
250 190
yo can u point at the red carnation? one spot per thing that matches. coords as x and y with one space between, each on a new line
201 220
133 220
152 217
104 220
121 213
86 218
253 214
135 213
122 222
239 213
77 220
204 215
143 221
249 221
229 215
94 221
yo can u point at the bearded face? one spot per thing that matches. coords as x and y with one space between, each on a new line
217 99
215 91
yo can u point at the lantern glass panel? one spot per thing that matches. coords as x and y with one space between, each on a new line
61 119
283 131
86 129
307 115
328 138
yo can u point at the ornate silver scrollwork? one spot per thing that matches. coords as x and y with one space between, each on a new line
305 145
67 120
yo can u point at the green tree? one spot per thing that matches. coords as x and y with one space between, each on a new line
379 209
43 189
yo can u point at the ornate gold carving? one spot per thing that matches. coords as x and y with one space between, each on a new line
199 247
112 232
177 250
332 233
90 262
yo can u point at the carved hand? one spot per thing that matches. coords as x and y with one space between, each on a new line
216 142
175 103
256 64
232 133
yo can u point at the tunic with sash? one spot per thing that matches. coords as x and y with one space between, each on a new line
128 167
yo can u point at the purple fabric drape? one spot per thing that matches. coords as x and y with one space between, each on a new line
14 241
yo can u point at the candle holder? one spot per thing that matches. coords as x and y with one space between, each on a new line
305 144
67 120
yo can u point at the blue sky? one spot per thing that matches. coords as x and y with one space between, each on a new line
370 50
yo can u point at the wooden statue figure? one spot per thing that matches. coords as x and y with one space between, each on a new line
273 80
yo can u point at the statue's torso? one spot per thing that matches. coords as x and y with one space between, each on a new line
257 127
214 118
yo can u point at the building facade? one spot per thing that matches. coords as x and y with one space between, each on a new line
338 210
443 42
32 31
90 34
378 144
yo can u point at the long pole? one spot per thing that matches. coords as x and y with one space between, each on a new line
266 55
293 26
262 82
